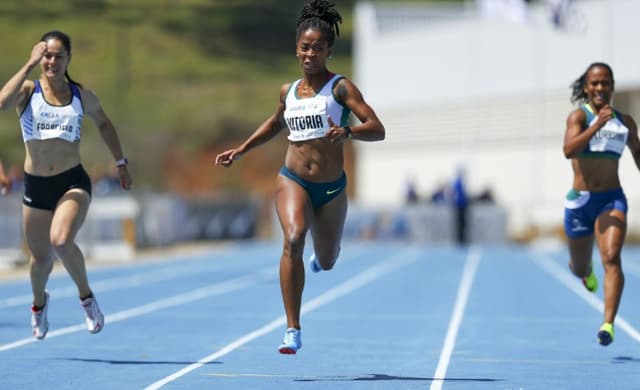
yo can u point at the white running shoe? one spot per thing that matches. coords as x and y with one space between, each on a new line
39 320
313 264
93 315
292 342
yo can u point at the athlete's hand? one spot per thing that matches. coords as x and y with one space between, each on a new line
336 133
125 178
37 53
604 114
227 157
5 184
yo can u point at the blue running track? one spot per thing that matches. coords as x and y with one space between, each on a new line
388 316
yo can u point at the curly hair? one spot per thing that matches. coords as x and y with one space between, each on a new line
577 87
319 15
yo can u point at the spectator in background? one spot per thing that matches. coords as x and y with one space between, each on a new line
57 189
596 206
439 195
460 201
5 180
411 194
311 187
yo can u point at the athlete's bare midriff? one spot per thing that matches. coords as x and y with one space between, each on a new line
316 160
50 157
595 174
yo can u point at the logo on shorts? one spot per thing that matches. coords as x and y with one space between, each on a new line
27 199
577 226
331 192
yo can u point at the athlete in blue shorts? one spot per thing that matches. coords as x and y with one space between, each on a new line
596 207
310 189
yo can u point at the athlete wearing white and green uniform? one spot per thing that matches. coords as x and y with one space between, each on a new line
596 207
307 118
583 207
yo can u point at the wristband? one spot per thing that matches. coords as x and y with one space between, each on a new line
347 130
123 162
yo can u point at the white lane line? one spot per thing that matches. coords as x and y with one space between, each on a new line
562 274
190 296
334 293
143 277
468 274
107 285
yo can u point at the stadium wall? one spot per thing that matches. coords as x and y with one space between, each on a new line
456 88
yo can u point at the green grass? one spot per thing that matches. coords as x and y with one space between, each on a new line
172 75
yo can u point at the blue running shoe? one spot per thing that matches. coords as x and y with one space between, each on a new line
313 264
291 343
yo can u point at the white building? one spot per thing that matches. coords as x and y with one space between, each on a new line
453 86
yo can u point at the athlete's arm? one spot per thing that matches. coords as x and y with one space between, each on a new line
13 93
370 128
266 131
576 140
633 142
107 131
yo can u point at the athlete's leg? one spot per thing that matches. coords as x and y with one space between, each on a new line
326 229
294 212
68 217
36 223
611 228
581 252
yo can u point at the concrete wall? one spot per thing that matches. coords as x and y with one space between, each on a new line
454 88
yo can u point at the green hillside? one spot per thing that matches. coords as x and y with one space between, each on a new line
171 74
176 76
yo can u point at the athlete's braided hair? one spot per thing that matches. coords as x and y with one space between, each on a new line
577 87
66 42
319 15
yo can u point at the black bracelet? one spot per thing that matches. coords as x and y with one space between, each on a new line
347 130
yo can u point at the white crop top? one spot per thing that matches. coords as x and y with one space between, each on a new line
307 118
41 120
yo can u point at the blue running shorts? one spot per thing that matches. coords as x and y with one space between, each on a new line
582 208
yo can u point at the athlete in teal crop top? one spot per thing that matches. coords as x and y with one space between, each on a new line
596 206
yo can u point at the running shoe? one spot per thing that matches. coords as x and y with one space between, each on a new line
291 343
591 281
39 320
313 264
606 334
93 315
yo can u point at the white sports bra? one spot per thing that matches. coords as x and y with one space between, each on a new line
41 121
307 118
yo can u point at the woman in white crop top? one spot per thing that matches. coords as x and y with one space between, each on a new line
57 188
596 206
310 189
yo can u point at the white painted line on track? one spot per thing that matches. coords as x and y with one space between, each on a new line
360 280
468 274
108 284
190 296
562 274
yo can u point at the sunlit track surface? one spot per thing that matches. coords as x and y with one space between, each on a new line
388 316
